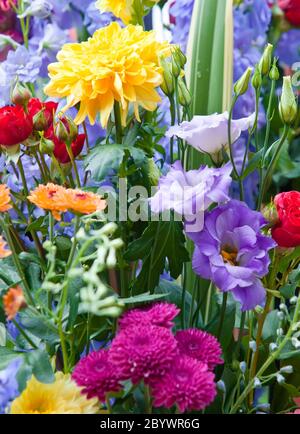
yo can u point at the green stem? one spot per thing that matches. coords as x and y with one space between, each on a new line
74 244
271 166
208 302
86 137
173 121
59 169
24 334
118 123
223 311
148 403
73 162
229 137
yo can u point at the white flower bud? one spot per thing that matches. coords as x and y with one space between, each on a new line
287 369
293 300
243 367
273 347
221 386
252 345
280 378
257 383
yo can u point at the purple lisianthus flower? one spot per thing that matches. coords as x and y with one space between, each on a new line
209 134
8 384
190 193
288 47
232 252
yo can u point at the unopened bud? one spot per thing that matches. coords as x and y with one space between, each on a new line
46 146
274 73
73 129
287 369
266 60
61 131
184 96
167 85
20 95
288 107
180 57
280 379
176 69
241 86
40 123
257 79
270 213
257 383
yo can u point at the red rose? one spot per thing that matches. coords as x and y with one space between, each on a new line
60 150
291 10
49 108
287 232
15 125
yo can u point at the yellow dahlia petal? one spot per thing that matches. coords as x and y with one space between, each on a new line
115 64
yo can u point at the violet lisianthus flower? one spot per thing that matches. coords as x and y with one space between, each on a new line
209 134
233 253
96 375
188 384
158 314
201 346
8 384
190 193
143 352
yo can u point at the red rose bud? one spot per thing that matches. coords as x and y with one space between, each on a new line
286 233
42 113
60 149
20 95
291 9
66 130
15 125
46 146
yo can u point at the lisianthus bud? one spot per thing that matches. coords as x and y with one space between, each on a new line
274 73
288 107
20 95
257 79
176 69
153 172
266 60
184 96
241 86
179 56
46 146
167 85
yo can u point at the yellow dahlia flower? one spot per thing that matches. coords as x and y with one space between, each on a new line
123 9
115 64
61 397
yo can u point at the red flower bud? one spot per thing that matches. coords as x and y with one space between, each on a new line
48 109
291 9
15 125
60 149
286 233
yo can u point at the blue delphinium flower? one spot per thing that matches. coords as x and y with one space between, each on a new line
8 384
288 48
23 64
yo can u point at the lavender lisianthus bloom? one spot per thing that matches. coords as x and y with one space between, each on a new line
209 134
8 384
190 193
288 47
233 253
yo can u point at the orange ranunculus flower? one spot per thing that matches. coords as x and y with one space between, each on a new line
13 301
3 251
50 197
4 198
83 202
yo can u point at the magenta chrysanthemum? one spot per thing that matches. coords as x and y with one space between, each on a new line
158 314
200 345
143 352
188 384
96 375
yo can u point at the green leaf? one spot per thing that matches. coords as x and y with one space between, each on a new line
271 324
159 242
289 351
41 366
253 164
142 298
106 158
41 327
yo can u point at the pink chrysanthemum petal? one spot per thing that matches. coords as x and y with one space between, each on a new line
201 346
188 384
96 375
158 314
143 352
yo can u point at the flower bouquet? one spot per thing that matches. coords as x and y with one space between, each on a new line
149 207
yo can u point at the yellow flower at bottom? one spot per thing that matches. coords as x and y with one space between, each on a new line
115 64
61 397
